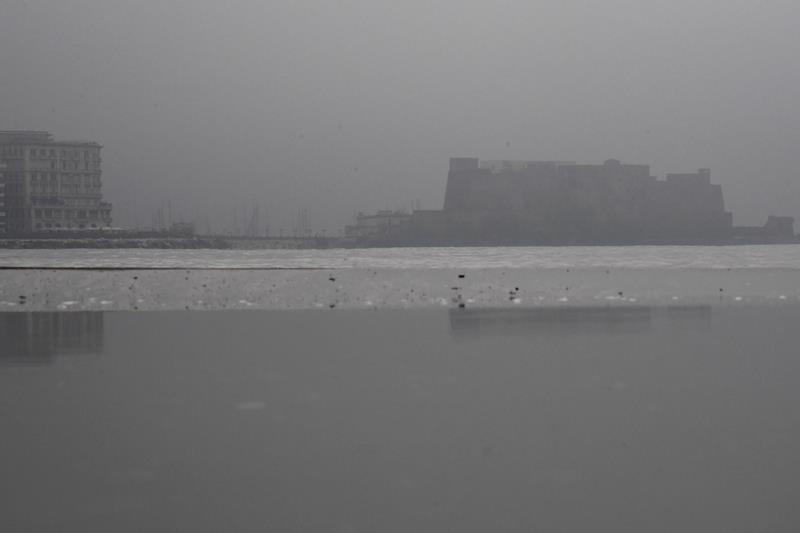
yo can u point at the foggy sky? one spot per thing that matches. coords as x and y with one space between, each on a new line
341 106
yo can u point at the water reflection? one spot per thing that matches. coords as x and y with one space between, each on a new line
37 338
556 419
474 323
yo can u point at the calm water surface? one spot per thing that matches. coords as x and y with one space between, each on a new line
596 419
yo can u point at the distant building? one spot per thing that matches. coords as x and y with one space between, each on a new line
552 202
2 198
182 229
52 185
776 230
558 202
377 226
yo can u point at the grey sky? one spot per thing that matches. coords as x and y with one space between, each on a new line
340 106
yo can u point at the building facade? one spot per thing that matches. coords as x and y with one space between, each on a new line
777 230
559 202
376 226
52 185
2 199
491 203
554 202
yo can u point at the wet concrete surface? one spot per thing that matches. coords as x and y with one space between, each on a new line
201 289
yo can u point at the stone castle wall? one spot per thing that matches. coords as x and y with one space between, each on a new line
565 203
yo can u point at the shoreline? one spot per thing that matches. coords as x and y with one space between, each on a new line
242 243
381 288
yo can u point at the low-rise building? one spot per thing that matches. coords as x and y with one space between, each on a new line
376 226
2 199
52 185
775 230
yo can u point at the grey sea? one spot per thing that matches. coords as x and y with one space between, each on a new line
493 389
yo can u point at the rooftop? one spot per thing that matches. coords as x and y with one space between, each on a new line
38 137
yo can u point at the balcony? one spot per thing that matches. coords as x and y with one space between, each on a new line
47 200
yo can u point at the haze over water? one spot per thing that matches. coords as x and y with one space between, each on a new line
355 105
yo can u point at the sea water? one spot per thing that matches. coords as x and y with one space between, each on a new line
661 257
655 419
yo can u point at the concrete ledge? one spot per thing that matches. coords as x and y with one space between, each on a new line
44 290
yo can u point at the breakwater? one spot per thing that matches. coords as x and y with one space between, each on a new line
153 243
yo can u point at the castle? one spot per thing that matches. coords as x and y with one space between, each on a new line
557 202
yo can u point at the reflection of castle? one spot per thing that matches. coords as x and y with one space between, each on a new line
38 337
548 321
554 202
